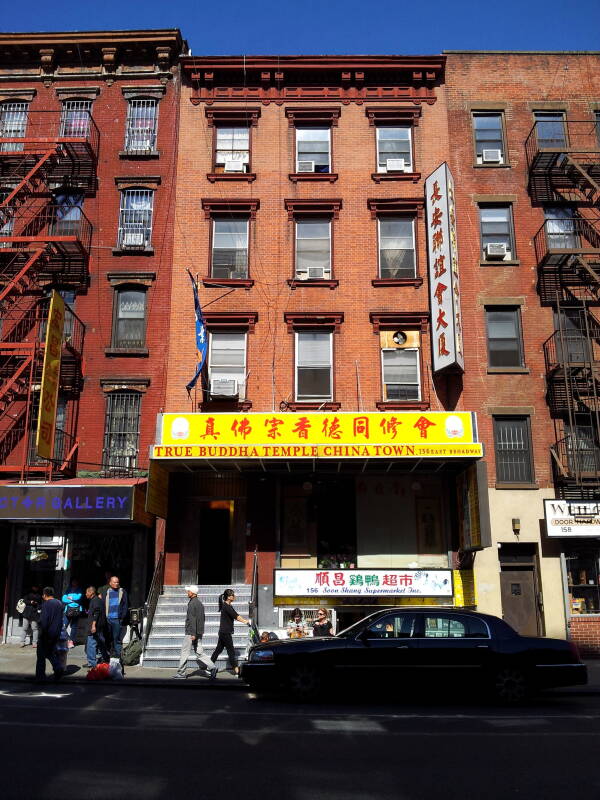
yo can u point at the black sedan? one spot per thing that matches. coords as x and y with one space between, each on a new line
421 645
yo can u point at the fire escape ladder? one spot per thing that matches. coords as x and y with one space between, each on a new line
23 280
16 384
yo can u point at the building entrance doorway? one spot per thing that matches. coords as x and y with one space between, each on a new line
214 546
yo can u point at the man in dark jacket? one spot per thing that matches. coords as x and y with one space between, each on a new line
194 631
96 624
31 616
51 623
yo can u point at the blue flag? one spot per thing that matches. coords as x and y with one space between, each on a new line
201 338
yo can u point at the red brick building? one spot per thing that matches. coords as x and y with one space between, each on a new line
88 144
301 212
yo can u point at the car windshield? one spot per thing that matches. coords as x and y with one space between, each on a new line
353 630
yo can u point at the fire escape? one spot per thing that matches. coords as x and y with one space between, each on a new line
47 165
563 158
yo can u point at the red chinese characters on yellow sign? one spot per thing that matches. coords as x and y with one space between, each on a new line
50 377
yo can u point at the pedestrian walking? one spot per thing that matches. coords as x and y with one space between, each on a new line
194 631
73 610
51 625
116 608
31 616
95 644
225 642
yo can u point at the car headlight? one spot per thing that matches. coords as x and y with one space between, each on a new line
262 655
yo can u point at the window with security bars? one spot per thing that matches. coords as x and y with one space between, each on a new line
504 338
227 365
121 430
129 323
75 118
314 378
135 218
141 126
512 443
313 249
394 149
397 247
401 379
488 133
313 150
13 125
232 152
550 130
230 248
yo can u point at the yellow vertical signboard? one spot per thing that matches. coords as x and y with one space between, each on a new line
50 377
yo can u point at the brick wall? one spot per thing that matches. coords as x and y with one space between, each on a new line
585 633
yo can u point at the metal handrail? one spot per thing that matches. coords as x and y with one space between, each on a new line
153 595
253 607
576 136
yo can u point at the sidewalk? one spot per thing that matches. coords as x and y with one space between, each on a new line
18 664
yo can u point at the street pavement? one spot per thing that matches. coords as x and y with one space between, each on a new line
172 739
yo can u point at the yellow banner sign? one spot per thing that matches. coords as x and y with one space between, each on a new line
406 434
50 377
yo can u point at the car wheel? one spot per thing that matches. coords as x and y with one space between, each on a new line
510 685
304 682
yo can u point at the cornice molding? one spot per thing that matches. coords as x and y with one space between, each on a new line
297 320
237 115
399 319
326 206
218 205
396 205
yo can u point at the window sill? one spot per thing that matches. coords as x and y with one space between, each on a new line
500 263
239 283
247 177
324 283
503 485
127 351
397 282
328 405
396 176
133 251
139 155
330 177
225 405
492 166
508 370
402 405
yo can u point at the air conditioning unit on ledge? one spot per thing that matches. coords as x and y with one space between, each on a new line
234 166
496 250
491 156
224 387
395 164
316 272
132 239
306 166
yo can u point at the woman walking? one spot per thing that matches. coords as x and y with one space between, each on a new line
228 616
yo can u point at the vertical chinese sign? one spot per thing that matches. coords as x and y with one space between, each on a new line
50 377
446 325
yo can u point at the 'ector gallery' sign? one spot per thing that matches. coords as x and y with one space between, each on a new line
66 502
362 582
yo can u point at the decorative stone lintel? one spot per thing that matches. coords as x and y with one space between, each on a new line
128 181
219 205
17 94
299 115
124 384
143 278
296 320
396 205
77 92
237 114
154 91
296 207
219 320
399 319
378 115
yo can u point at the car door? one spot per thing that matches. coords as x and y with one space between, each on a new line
453 645
384 645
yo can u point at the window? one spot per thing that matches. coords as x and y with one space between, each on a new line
230 248
75 118
135 220
583 450
550 130
497 241
394 149
6 228
394 626
13 125
227 365
129 322
232 151
314 365
313 249
401 379
513 450
397 248
67 215
489 138
561 233
505 346
572 342
582 562
444 628
121 430
313 150
141 126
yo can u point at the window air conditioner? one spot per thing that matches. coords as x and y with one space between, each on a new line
236 165
132 239
237 275
306 166
395 164
496 250
224 387
491 156
316 272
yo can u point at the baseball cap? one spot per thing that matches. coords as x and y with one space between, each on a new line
193 589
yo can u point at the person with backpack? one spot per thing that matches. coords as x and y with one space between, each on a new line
72 604
31 616
225 642
96 623
194 631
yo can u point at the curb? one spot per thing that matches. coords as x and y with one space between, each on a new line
149 682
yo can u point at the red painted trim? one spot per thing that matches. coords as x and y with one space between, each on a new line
309 207
297 320
399 319
415 177
322 283
315 177
219 205
241 283
416 282
240 177
397 114
217 320
396 205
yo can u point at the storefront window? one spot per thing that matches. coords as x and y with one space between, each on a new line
582 580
